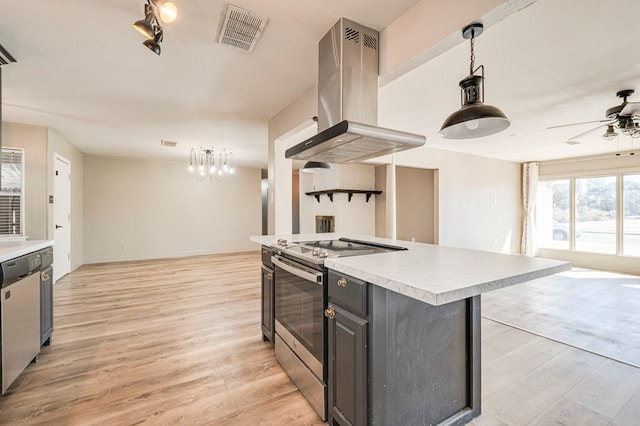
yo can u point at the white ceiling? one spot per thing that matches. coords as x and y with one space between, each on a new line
83 70
553 63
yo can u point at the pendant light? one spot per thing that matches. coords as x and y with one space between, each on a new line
474 119
316 167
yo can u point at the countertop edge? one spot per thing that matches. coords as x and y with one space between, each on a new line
12 249
443 298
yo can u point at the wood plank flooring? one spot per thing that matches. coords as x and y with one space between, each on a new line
158 342
178 341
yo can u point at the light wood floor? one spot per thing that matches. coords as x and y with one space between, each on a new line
178 342
159 342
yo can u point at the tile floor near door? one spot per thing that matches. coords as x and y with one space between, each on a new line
531 380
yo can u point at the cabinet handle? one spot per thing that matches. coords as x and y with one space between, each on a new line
342 282
269 275
330 312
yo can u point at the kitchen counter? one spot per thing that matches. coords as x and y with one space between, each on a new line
12 249
433 274
403 339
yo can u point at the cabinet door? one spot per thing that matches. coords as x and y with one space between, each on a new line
347 367
268 304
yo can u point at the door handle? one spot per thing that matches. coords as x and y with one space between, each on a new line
59 226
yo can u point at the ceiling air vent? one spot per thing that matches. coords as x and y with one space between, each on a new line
5 56
241 28
170 144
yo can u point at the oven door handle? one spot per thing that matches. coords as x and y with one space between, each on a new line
314 277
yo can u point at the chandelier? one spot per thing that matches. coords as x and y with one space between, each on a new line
203 163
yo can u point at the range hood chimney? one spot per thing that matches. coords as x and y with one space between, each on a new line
348 101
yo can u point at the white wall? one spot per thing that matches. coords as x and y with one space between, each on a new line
355 217
479 198
142 209
40 145
33 139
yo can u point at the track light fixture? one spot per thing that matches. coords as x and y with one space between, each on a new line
474 119
150 26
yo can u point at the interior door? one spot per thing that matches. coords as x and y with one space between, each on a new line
61 217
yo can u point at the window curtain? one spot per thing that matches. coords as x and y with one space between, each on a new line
529 195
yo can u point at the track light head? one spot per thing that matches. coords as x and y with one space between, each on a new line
145 26
154 44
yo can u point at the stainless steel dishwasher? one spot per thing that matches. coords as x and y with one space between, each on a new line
19 315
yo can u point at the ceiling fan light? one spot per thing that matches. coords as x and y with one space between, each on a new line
316 167
610 134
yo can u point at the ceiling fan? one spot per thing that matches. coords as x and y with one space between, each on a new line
624 117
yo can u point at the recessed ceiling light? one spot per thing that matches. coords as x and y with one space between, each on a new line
170 144
570 142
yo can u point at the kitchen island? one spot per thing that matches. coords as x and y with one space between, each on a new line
403 340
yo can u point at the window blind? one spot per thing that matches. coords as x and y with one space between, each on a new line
11 197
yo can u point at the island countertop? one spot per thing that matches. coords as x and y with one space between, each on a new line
12 249
431 273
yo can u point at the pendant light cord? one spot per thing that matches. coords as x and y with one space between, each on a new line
473 55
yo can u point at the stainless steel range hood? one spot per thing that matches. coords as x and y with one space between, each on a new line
348 101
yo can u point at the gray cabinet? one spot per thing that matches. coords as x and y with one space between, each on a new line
396 360
268 296
46 296
347 368
347 349
46 306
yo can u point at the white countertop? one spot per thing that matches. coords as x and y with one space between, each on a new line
430 273
12 249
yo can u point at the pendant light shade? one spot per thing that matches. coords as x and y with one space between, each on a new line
145 26
316 167
474 119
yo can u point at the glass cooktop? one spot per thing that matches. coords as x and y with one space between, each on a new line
317 251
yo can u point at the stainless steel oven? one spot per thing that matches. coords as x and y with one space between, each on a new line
301 326
301 298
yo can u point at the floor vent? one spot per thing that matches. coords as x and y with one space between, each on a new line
170 144
241 28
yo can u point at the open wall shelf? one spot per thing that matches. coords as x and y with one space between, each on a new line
350 192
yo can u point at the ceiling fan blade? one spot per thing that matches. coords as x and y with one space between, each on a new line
587 132
607 120
631 108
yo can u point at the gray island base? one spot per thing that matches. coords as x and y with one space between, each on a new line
403 329
400 361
